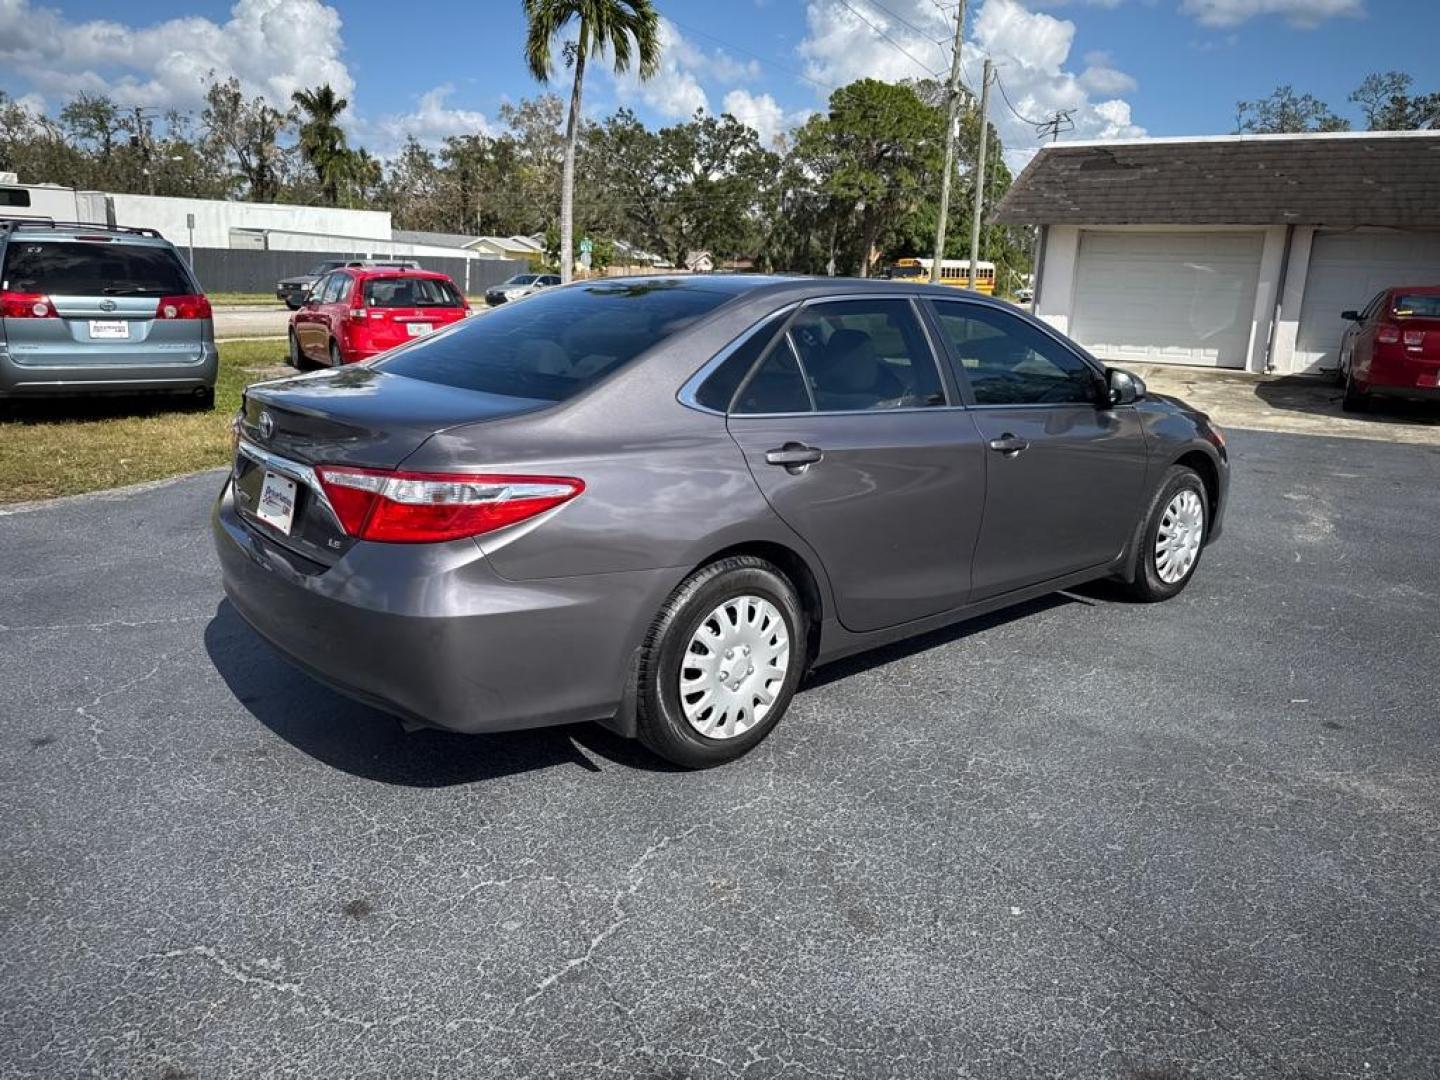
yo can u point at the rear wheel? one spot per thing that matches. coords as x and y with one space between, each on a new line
721 663
294 357
1172 537
336 360
1355 399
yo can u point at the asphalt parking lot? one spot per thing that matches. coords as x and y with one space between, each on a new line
1080 839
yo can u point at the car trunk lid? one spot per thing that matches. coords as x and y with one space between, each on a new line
357 416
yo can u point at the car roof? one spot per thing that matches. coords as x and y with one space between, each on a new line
395 271
799 286
1417 290
62 231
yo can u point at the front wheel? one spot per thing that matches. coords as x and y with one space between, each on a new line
721 663
1172 537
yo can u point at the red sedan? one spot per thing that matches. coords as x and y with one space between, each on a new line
358 312
1392 347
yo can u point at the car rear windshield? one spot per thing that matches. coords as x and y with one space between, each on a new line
558 342
411 292
523 279
1422 306
93 268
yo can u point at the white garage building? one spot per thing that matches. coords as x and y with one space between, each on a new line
1237 252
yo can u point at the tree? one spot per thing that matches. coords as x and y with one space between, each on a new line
611 24
249 133
1286 112
1386 101
881 147
322 142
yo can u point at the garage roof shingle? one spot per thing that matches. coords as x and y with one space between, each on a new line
1336 180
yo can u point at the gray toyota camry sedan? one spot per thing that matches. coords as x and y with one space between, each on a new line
657 503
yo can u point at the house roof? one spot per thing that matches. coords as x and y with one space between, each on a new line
1337 179
436 239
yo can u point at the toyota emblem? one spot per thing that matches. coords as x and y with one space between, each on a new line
107 305
267 425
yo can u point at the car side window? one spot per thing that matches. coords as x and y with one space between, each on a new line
343 284
321 289
865 355
777 385
1373 308
1007 361
718 390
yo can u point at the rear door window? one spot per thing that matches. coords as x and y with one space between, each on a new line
93 268
776 386
866 355
410 293
559 342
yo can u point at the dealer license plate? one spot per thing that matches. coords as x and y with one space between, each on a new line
277 502
109 329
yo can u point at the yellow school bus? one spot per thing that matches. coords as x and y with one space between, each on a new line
954 272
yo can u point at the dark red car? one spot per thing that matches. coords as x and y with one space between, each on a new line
1392 347
358 312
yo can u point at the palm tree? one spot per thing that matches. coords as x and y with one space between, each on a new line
620 26
322 142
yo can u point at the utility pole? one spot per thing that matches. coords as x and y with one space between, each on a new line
980 173
952 103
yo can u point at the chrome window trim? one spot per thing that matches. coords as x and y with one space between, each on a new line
301 474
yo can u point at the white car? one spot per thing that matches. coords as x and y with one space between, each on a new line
518 286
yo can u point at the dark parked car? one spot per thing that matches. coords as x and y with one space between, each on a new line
658 503
293 290
90 309
1392 347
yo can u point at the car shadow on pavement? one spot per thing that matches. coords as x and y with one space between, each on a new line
370 744
1320 397
900 650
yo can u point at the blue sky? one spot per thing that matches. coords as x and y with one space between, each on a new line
1126 67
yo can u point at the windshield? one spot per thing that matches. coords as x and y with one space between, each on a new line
1422 306
324 267
84 268
522 279
410 292
908 272
557 343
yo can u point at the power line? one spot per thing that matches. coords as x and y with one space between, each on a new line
1060 121
1018 116
901 19
861 16
768 61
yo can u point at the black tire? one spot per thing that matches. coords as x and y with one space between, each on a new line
293 356
660 716
336 360
1147 586
1355 399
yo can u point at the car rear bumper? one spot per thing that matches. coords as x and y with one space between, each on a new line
432 633
1398 373
135 375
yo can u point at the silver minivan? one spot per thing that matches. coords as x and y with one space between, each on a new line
94 309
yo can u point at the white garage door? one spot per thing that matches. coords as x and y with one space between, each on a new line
1346 271
1185 298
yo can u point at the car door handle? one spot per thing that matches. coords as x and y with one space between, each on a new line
1009 444
796 457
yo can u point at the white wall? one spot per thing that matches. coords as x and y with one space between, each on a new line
1056 301
214 218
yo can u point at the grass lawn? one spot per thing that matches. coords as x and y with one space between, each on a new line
246 299
62 447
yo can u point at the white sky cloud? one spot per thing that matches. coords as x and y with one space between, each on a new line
273 46
763 113
431 121
1031 50
1302 13
675 91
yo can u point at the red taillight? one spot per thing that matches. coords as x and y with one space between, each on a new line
1387 335
419 508
183 307
26 305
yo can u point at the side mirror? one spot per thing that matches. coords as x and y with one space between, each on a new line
1124 388
1350 316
